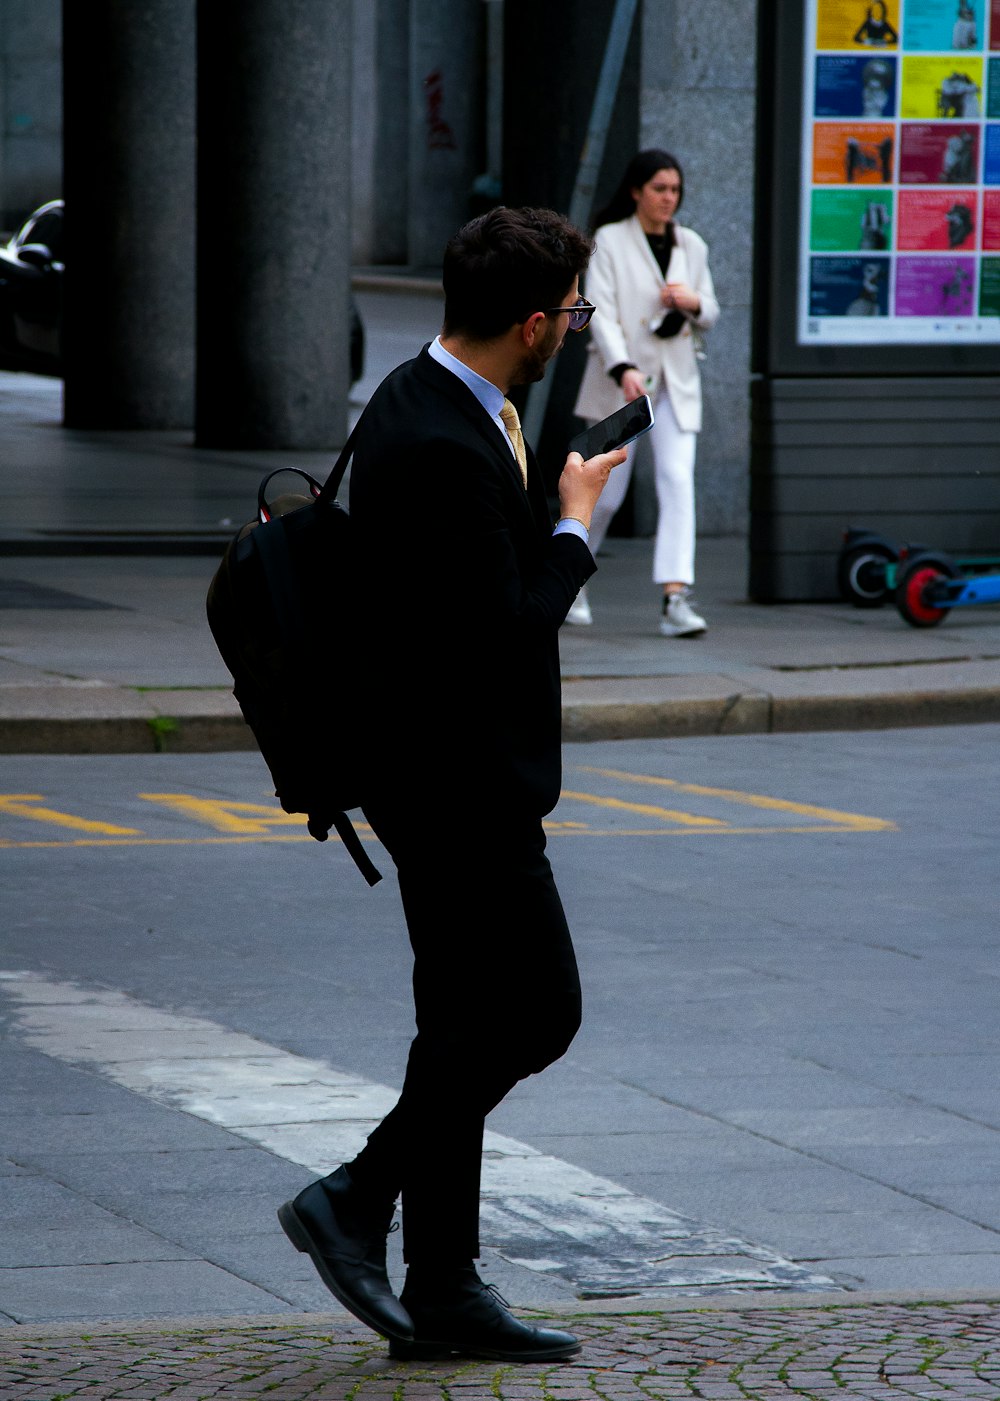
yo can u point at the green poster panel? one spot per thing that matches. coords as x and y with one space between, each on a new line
989 287
850 221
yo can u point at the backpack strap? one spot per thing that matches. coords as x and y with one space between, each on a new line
332 483
352 844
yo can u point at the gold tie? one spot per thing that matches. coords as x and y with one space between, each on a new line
512 423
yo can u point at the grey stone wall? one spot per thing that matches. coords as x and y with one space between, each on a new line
697 100
274 164
363 128
445 121
30 107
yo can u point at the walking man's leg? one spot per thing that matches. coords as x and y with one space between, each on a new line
497 998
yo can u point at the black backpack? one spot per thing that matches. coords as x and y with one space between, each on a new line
272 610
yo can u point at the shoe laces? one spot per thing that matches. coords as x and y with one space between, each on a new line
492 1289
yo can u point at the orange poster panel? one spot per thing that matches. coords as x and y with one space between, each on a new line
857 24
853 153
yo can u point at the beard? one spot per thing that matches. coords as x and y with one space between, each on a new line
535 361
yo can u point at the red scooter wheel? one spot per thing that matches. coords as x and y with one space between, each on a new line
912 585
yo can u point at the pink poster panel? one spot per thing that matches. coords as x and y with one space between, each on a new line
991 220
937 220
935 286
938 153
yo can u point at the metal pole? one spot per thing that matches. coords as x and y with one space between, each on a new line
591 156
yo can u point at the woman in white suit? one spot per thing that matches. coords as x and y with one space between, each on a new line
650 282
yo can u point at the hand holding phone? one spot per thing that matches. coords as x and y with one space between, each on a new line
615 431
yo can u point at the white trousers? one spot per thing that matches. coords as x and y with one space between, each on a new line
673 460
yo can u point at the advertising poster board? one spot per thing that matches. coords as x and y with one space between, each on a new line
899 237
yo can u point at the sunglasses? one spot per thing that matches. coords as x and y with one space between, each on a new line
579 313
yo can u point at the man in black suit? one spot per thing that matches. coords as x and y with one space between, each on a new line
462 584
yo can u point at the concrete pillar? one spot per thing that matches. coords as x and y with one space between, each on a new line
30 107
129 188
446 121
274 243
552 62
364 128
390 112
698 101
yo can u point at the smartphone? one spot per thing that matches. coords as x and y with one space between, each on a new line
616 431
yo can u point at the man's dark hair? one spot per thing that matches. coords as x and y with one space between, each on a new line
507 264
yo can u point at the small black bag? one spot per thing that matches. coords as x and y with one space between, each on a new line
272 610
671 324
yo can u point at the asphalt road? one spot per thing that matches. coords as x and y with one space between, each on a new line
789 951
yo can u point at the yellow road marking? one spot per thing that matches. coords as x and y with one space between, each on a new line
239 823
224 815
173 841
23 805
849 821
555 829
686 819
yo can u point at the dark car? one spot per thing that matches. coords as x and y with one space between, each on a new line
31 269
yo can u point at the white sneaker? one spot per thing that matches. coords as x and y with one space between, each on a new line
579 614
679 618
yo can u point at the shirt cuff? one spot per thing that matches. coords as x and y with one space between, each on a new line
569 525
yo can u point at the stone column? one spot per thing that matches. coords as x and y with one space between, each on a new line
446 121
274 244
30 107
391 142
698 102
128 323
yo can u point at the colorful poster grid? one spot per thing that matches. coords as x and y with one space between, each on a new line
900 236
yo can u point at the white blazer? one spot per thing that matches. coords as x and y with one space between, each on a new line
624 283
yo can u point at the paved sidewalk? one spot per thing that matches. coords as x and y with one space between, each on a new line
108 541
104 648
866 1351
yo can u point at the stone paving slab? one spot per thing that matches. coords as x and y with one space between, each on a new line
866 1351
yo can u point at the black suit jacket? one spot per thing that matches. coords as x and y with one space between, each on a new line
461 591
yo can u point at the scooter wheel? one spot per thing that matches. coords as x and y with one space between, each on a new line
912 584
861 574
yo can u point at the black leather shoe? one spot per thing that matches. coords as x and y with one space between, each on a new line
345 1239
469 1319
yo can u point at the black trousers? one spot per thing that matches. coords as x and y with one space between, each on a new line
497 998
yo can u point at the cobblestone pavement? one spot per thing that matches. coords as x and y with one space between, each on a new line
863 1351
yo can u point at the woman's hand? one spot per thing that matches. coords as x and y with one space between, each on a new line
633 385
678 296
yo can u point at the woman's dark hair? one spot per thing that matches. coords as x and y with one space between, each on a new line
640 169
506 264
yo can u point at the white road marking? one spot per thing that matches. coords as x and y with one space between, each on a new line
538 1211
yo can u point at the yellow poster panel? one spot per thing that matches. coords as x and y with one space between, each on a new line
857 24
942 87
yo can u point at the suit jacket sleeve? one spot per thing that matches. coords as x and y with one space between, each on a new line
461 588
479 543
